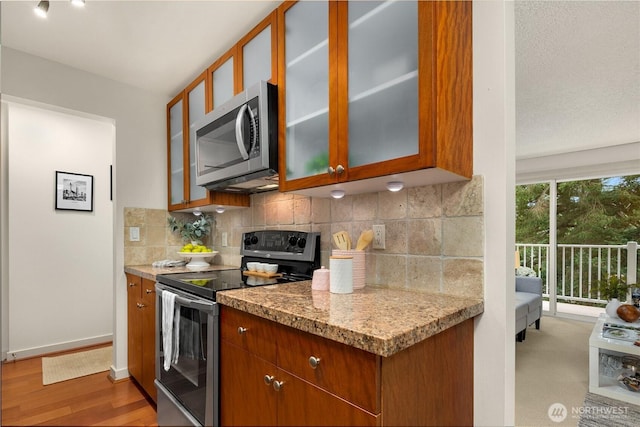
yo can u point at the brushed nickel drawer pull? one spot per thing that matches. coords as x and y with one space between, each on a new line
241 330
277 385
268 379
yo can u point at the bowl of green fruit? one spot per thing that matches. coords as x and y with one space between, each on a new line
197 254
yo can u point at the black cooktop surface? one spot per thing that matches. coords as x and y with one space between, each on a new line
207 283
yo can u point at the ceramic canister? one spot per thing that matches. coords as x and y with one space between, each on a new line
341 274
358 265
320 280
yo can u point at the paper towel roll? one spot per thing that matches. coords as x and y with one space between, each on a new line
341 274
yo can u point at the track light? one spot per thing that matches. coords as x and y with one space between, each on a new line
42 8
77 3
220 209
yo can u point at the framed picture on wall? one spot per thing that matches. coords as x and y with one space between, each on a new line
74 191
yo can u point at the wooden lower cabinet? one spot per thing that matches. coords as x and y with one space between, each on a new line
430 383
141 315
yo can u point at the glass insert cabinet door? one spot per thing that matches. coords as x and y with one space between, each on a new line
176 153
256 58
351 87
223 83
196 114
383 81
307 89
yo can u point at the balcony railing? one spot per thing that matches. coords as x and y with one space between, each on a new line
579 268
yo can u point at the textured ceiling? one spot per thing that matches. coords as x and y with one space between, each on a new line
577 63
160 46
577 75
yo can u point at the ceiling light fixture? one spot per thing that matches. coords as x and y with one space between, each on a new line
337 194
77 3
220 209
395 186
42 8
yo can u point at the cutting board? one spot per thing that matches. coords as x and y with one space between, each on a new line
261 274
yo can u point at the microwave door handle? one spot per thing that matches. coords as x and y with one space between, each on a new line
239 136
254 141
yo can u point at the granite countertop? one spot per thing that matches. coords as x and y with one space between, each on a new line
150 272
379 320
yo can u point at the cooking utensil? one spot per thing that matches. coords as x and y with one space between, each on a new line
341 240
365 238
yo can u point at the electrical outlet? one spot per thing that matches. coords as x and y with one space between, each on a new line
378 237
134 234
225 241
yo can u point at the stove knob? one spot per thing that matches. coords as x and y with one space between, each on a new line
254 240
247 241
293 240
302 242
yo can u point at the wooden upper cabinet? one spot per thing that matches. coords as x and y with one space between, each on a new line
369 89
184 113
252 59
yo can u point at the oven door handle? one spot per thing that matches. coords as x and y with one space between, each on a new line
196 304
189 302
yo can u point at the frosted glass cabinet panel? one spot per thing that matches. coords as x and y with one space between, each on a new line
176 154
196 114
383 81
223 83
307 89
256 58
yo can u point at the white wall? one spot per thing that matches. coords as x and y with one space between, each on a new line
140 149
60 261
494 158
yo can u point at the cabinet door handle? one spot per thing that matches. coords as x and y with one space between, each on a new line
314 362
241 330
340 169
131 284
277 385
149 291
331 170
268 379
140 305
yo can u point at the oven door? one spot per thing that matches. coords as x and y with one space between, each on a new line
188 390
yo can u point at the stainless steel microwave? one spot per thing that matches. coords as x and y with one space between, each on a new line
237 142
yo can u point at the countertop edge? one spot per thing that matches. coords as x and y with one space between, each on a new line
382 346
150 272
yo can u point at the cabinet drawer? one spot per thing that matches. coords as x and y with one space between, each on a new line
252 333
345 371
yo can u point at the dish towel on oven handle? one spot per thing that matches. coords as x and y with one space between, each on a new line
170 329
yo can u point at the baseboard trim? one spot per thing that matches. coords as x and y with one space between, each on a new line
12 355
118 375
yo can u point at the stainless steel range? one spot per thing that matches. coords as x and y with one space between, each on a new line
187 335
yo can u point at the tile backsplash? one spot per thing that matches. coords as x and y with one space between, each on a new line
434 233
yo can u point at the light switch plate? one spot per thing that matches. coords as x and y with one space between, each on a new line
225 241
134 234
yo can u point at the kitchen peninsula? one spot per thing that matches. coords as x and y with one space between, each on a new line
378 356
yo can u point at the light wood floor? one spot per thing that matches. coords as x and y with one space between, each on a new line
92 400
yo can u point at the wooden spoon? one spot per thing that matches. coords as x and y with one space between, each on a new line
363 241
341 240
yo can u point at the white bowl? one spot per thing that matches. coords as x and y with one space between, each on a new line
252 266
271 268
